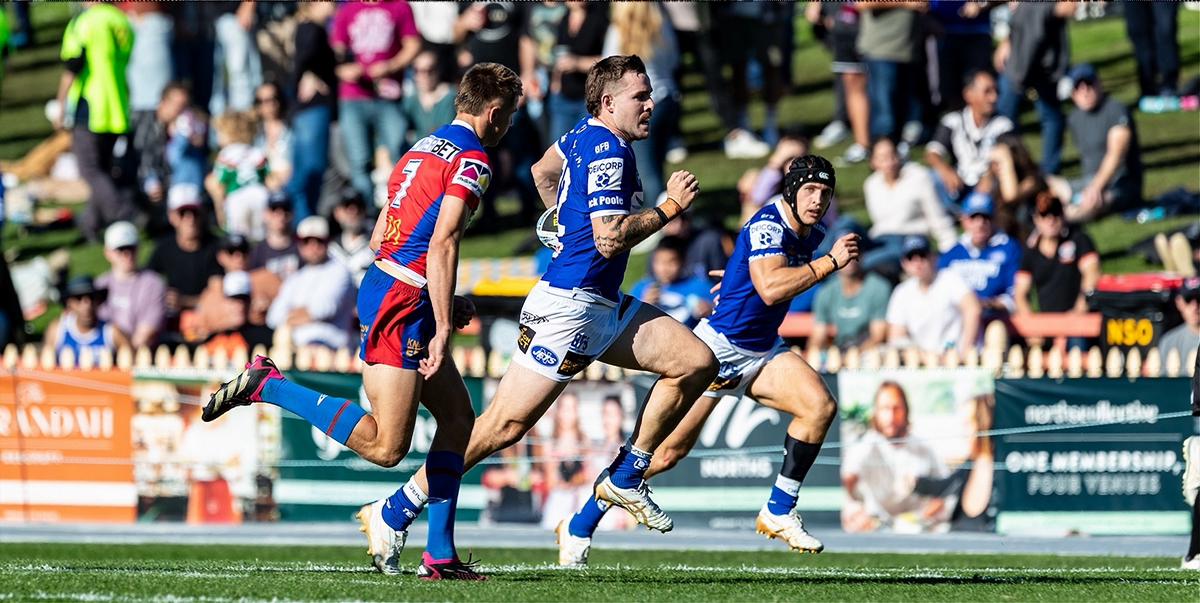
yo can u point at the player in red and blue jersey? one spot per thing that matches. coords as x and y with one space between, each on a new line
407 310
771 263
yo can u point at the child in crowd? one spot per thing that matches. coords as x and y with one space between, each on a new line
237 182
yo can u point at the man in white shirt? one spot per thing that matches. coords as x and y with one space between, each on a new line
958 152
932 310
317 301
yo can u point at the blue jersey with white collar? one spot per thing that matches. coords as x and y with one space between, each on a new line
990 271
741 314
599 178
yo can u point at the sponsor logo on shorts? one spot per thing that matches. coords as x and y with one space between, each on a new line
529 318
605 174
544 356
412 348
573 363
579 343
525 338
474 175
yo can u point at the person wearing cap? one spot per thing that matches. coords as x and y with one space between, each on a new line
79 327
1185 337
932 309
351 245
187 257
236 331
959 151
135 302
985 257
1109 153
1060 262
277 252
317 301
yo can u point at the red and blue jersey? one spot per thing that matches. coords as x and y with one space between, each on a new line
450 161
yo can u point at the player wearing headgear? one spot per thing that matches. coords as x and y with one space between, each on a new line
407 310
577 314
771 263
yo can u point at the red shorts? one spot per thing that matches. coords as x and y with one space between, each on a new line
396 321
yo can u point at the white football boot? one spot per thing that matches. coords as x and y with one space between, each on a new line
572 550
788 528
637 502
383 543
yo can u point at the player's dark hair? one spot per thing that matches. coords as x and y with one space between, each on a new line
486 85
605 73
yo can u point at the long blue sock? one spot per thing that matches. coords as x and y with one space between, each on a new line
783 496
584 523
334 416
403 506
629 468
443 469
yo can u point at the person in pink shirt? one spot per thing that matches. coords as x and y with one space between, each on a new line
374 42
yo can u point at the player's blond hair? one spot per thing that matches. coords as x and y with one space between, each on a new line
604 74
487 85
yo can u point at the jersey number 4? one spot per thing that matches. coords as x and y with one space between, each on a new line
410 172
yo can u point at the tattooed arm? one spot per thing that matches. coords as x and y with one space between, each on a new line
616 234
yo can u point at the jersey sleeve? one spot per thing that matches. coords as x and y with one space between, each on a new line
764 238
470 175
611 178
72 46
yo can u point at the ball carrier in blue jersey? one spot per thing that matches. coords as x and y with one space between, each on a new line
576 314
407 309
772 262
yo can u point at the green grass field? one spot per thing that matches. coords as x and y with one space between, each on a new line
179 573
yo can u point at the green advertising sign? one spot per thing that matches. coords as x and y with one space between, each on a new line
321 480
1098 456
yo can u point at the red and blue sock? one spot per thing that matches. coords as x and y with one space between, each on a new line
334 416
444 471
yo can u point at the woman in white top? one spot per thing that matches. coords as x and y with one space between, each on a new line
274 137
901 201
640 28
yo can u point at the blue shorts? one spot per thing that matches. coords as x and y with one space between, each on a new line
395 321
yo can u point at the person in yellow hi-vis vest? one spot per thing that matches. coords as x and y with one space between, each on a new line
94 103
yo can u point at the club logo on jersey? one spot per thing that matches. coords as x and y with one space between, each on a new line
392 232
573 363
437 146
605 174
412 348
475 175
544 356
525 338
1066 252
579 343
765 235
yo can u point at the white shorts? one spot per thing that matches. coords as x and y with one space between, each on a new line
738 367
563 331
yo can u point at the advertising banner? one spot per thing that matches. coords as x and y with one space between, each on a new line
1092 455
65 447
913 459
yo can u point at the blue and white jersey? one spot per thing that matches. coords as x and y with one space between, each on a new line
741 314
599 178
989 272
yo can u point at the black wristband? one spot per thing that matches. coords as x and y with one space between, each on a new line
662 214
835 266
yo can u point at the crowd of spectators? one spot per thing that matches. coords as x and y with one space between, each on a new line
278 123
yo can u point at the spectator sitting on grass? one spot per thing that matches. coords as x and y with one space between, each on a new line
1016 181
959 151
933 309
188 256
1109 154
134 304
855 302
317 301
1186 337
237 182
79 327
682 296
984 257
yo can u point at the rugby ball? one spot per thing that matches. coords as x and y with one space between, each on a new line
549 230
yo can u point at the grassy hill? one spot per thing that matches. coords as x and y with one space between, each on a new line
1170 141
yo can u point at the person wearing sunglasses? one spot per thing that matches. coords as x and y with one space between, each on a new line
1060 262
